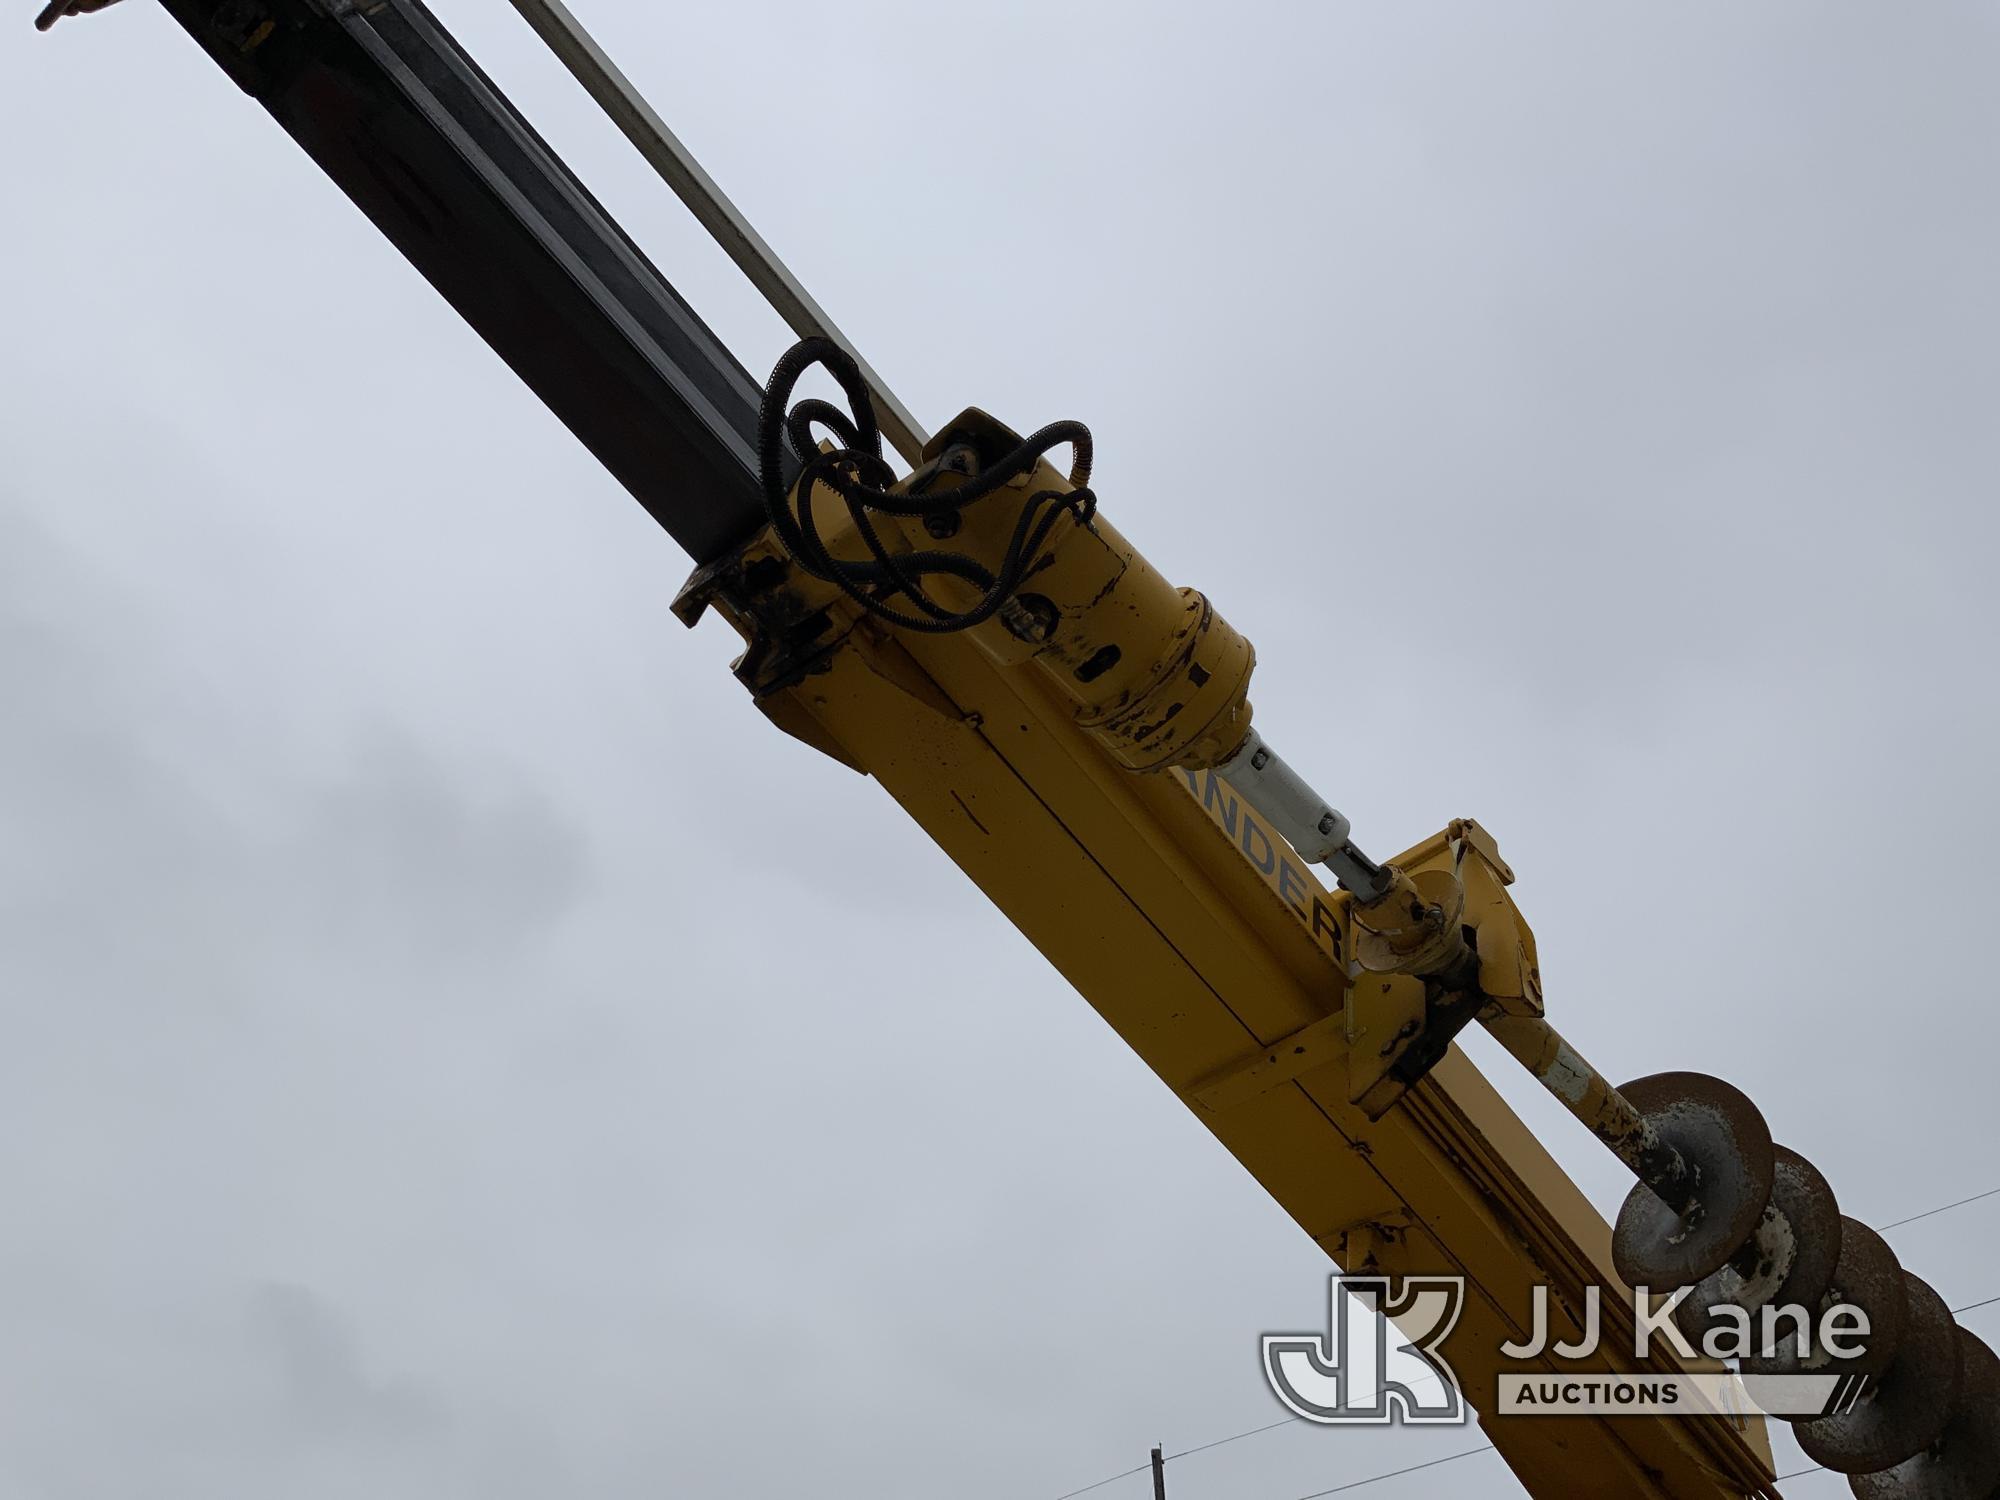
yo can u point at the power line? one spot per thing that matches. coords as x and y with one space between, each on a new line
1238 1437
1989 1193
1355 1484
1143 1468
1233 1438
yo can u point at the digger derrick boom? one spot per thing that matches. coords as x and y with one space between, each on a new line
1123 845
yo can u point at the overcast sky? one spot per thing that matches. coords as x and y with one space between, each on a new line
447 1052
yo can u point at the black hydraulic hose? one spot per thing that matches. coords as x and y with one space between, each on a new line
855 471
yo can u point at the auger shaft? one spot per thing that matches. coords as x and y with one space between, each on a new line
1586 1093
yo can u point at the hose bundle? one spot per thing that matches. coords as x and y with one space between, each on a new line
853 469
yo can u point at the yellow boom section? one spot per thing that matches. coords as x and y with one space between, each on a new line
1206 944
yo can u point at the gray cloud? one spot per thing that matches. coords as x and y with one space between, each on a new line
445 1044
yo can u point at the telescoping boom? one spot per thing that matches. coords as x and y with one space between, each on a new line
973 631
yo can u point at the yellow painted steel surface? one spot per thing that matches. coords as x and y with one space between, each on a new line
1204 942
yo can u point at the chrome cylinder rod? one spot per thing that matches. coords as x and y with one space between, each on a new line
1261 777
617 96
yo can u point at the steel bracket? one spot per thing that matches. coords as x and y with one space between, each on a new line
1304 1051
1399 1025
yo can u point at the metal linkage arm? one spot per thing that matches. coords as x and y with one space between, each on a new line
606 83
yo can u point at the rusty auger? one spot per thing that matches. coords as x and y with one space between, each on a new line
1735 1224
1720 1215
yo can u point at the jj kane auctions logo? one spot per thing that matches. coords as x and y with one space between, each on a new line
1380 1359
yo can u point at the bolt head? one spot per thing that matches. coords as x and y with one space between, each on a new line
1260 759
1328 823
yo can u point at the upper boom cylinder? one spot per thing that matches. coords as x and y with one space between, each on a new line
1158 678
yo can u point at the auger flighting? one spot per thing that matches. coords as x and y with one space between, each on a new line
1746 1235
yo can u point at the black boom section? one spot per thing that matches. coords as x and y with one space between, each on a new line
396 113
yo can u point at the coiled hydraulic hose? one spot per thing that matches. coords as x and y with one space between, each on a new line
854 470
